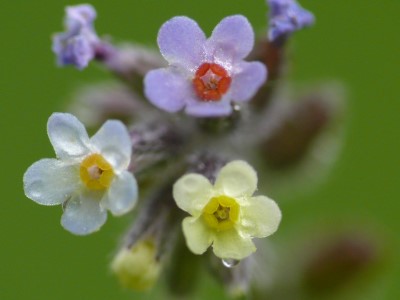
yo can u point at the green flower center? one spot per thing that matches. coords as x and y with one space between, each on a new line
221 213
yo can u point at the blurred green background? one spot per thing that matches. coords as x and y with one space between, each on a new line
356 42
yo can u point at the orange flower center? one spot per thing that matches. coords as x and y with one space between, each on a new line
211 82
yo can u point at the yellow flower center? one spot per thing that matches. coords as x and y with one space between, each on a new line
96 173
221 213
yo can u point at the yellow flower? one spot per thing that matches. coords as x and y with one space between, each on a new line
226 215
137 267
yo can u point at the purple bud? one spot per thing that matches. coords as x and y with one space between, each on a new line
286 17
76 46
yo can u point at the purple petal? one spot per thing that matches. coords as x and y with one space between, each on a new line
77 50
83 15
181 42
167 90
248 80
233 37
209 109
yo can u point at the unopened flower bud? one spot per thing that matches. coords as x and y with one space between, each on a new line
339 261
141 259
137 267
296 132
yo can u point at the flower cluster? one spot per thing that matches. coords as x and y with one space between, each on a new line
77 45
199 164
286 17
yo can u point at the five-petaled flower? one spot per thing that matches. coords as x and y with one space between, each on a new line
204 75
226 215
77 45
89 175
285 17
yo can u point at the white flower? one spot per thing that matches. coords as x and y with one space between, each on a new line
89 175
225 215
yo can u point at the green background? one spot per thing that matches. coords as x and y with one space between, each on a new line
354 41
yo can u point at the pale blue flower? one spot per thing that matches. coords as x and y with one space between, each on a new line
89 175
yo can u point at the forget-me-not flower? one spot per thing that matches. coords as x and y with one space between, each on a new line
225 215
204 76
88 176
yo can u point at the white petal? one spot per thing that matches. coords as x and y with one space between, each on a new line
247 81
51 181
197 234
232 38
192 192
67 135
229 244
261 217
122 195
181 42
83 215
112 140
237 179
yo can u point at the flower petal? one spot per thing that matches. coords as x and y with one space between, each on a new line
192 192
247 80
233 38
197 234
237 179
50 181
83 215
181 42
261 217
67 135
209 109
166 89
122 195
112 140
229 244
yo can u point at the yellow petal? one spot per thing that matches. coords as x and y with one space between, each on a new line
236 179
260 217
197 234
229 244
192 192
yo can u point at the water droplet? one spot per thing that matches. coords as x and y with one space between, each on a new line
230 262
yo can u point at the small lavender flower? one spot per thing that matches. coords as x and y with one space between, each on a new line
76 46
285 17
204 75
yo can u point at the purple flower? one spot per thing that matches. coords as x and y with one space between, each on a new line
76 46
204 75
285 17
